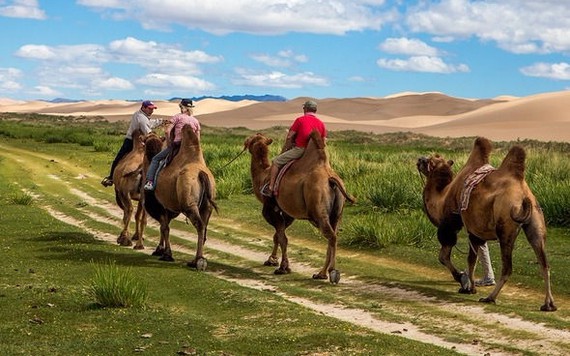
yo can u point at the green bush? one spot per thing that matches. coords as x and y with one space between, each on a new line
112 286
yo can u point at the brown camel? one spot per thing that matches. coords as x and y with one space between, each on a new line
496 209
185 186
127 179
309 190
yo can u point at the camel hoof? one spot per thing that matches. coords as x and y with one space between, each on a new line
319 276
138 247
166 258
487 300
126 243
282 271
271 262
465 282
548 307
200 264
158 252
334 276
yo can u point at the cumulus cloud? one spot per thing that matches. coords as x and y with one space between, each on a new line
9 79
268 17
518 26
82 66
45 91
557 71
283 59
26 9
276 79
407 46
176 82
421 64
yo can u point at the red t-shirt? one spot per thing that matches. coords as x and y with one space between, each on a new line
304 125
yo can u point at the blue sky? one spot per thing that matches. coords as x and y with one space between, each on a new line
159 49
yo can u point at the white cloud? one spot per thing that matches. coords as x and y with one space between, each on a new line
421 64
283 59
26 9
160 57
276 79
8 79
558 71
114 83
252 16
82 67
518 26
176 83
407 46
45 91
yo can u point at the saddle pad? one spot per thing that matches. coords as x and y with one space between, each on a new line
471 182
280 176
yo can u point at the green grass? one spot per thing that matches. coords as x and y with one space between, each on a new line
50 268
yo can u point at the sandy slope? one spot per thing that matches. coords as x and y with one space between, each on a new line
544 116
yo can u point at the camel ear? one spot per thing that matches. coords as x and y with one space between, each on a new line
269 141
450 162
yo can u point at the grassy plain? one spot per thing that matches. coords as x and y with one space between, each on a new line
47 264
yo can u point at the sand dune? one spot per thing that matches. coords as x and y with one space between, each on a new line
544 117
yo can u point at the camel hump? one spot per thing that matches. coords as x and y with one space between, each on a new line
317 139
514 162
481 151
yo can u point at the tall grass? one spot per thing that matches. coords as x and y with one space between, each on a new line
379 170
112 286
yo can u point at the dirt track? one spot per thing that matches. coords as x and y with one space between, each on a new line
475 330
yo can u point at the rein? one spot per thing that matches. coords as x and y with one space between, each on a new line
233 159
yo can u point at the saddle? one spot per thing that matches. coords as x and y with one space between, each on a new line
280 175
471 182
174 149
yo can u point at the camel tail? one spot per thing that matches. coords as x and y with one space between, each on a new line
514 162
207 196
523 214
336 182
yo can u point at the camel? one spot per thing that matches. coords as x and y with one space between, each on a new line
309 190
496 209
185 186
127 179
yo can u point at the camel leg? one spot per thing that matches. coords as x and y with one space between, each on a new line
507 243
124 201
474 244
447 236
195 218
330 259
165 240
272 260
140 224
280 221
536 235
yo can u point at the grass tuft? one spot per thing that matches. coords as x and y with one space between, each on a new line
114 287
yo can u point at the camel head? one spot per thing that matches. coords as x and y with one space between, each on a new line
256 142
435 167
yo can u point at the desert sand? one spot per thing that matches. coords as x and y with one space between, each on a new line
543 117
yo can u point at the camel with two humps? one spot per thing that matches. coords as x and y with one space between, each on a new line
498 207
127 179
185 186
309 190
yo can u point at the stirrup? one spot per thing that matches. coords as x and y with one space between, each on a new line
265 191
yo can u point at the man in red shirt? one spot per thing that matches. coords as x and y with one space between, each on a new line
300 132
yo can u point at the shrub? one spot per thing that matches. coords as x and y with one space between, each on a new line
21 199
115 287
